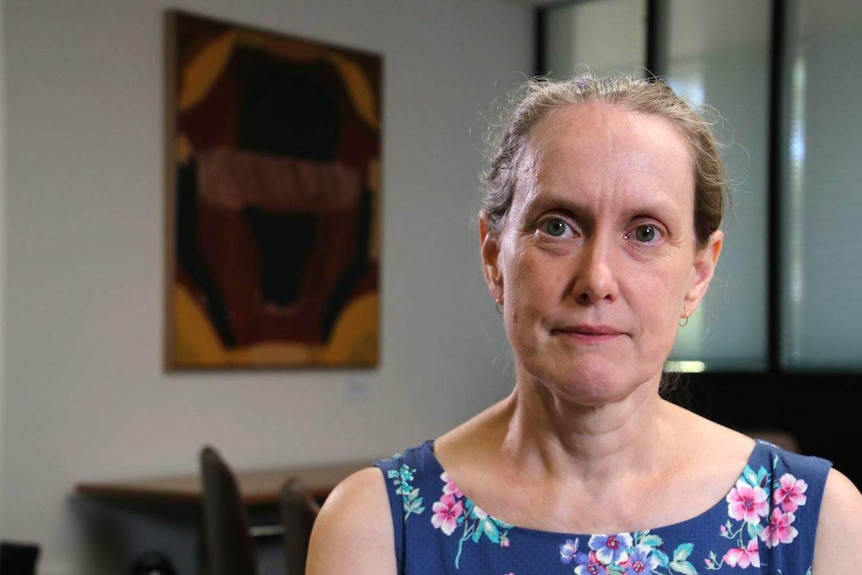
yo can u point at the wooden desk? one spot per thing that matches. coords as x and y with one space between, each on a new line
258 487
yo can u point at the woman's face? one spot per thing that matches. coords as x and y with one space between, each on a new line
597 261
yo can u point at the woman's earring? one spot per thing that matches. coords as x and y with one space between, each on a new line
685 315
498 303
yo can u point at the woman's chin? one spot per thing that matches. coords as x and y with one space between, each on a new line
594 383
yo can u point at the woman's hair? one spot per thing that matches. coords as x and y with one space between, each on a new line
540 96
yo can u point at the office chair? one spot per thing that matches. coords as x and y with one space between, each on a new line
228 545
298 510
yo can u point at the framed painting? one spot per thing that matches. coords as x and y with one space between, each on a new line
273 178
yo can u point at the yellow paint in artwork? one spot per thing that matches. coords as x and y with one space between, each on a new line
267 354
359 87
201 74
250 38
184 149
197 343
354 340
374 186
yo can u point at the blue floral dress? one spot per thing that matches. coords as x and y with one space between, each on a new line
765 525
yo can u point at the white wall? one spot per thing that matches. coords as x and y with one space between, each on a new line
2 244
85 395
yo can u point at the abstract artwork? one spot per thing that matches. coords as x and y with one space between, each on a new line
273 178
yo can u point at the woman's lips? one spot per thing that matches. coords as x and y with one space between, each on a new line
587 333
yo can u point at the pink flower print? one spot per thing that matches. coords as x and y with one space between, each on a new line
446 513
744 557
449 486
780 529
504 541
791 494
747 503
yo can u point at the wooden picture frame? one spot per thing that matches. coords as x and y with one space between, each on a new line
273 146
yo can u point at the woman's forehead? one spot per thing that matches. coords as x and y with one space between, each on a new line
600 146
598 121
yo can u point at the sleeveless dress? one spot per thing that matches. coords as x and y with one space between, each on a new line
765 525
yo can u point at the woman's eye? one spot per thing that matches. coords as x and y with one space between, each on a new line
555 227
646 233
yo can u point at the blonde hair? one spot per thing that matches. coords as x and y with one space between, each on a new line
540 96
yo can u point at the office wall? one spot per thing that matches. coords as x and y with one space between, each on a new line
2 245
85 394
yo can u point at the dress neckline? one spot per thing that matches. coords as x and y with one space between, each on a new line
719 506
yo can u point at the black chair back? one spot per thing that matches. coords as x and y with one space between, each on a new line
229 548
298 510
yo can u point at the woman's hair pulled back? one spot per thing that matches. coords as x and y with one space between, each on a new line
538 97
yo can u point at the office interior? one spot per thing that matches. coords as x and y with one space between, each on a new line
84 395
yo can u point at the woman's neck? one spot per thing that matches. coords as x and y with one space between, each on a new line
592 443
540 462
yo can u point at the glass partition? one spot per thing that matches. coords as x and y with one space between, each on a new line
716 53
821 245
600 37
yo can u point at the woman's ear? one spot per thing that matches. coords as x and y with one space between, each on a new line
705 261
490 241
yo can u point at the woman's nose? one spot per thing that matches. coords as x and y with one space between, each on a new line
595 278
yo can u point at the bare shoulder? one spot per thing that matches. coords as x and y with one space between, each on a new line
354 522
711 440
839 529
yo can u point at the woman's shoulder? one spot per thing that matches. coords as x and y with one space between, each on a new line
357 517
785 464
354 520
808 496
839 531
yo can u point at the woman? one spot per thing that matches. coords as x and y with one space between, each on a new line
599 238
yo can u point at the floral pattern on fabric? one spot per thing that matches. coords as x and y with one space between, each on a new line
764 525
751 521
402 478
454 510
640 553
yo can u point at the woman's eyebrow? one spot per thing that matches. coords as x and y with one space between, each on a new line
548 200
557 204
